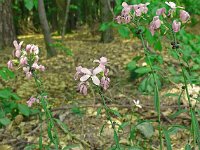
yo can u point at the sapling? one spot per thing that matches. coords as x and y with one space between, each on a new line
27 59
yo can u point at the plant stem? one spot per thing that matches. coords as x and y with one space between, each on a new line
185 85
47 111
156 94
107 109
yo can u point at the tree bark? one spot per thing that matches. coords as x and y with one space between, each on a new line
7 29
45 28
65 20
106 16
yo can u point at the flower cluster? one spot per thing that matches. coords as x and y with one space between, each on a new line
26 58
126 15
33 100
130 12
176 24
85 74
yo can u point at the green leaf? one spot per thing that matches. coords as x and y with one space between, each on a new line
115 112
132 133
99 111
62 125
167 138
131 65
158 45
188 147
156 100
143 70
124 31
29 4
146 129
104 26
102 127
5 94
116 138
178 113
24 109
4 121
175 128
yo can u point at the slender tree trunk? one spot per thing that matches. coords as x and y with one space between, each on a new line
106 16
7 30
45 28
65 20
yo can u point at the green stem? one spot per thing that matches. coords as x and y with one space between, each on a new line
185 84
107 109
156 89
47 111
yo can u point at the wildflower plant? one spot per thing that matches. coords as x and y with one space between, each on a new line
166 23
27 60
98 78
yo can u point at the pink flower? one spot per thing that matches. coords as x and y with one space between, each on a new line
41 68
161 11
91 74
23 61
28 75
126 8
102 62
173 5
78 72
35 65
184 16
10 64
105 81
28 47
82 88
176 26
17 48
155 24
140 9
31 101
26 69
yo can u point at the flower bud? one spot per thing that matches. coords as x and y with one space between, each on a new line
10 64
23 61
184 16
176 26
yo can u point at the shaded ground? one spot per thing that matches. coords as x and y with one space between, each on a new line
61 87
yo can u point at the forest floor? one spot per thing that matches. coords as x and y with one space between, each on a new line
80 112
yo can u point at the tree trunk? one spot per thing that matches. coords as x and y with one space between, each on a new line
65 20
106 16
7 30
45 28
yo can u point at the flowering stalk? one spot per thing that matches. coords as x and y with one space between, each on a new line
28 60
91 76
109 118
156 92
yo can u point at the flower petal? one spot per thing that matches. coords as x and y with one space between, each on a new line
85 78
95 80
97 70
86 71
124 4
